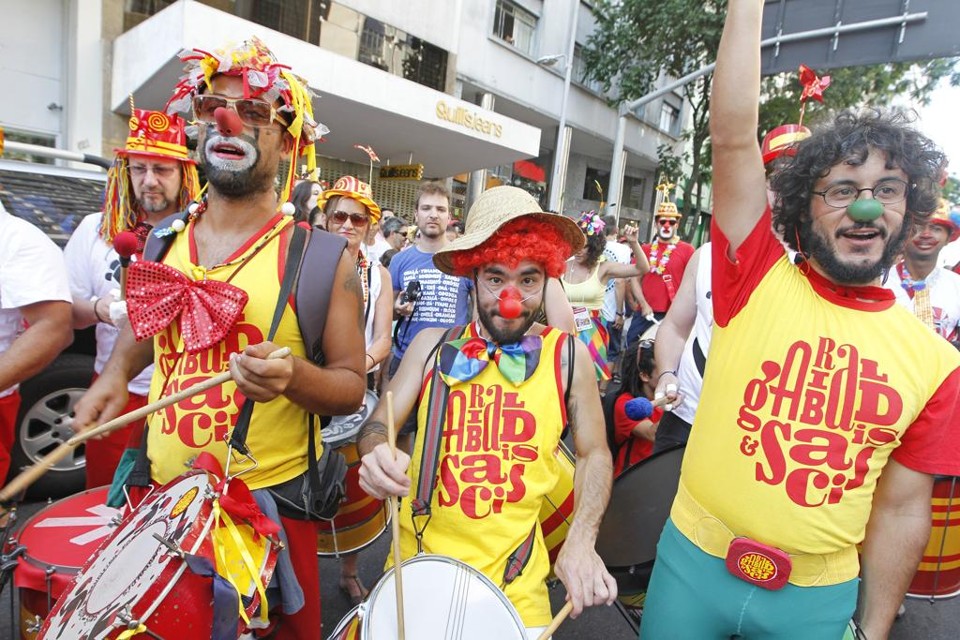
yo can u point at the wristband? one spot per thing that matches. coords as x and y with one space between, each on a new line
672 372
95 300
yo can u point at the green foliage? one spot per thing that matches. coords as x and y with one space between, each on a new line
637 40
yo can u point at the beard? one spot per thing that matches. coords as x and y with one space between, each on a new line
158 203
846 273
239 178
501 336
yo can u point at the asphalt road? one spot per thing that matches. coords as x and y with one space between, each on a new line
923 621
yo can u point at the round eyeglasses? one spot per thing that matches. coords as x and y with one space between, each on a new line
888 191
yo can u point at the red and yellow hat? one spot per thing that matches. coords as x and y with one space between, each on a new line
782 140
156 134
667 209
942 217
351 187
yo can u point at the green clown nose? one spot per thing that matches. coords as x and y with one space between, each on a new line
865 210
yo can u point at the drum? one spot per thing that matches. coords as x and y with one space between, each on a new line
361 518
639 506
56 542
938 575
442 598
556 513
140 579
349 627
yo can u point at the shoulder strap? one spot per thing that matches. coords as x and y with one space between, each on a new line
156 247
313 298
238 439
436 414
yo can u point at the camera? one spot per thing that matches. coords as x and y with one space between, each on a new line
412 293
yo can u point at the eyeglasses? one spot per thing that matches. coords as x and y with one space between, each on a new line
161 171
667 221
841 196
255 113
356 219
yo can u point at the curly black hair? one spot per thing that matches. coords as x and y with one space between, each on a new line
596 243
850 139
632 365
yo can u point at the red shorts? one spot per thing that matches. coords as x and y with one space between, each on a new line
9 405
103 454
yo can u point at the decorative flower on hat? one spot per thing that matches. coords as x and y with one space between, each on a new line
590 223
263 77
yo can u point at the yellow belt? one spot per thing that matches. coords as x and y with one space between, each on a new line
713 537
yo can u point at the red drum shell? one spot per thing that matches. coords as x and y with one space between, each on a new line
556 512
59 538
938 575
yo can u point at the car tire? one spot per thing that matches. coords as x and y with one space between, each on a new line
43 423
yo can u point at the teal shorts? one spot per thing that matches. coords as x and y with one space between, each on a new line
692 596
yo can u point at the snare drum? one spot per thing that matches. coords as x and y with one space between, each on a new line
139 576
938 575
639 506
349 627
361 518
57 541
442 598
556 512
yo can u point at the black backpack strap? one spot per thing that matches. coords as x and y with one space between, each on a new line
571 360
238 439
313 297
156 247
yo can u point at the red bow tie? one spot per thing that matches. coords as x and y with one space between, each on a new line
158 295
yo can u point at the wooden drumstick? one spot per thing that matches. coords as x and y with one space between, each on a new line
557 619
395 520
32 473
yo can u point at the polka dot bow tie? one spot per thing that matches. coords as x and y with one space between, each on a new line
462 360
158 295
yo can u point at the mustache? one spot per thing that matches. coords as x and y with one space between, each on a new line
245 142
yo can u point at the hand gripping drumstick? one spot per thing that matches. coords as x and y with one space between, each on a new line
557 619
32 473
395 520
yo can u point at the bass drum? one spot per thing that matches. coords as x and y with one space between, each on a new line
361 518
442 598
639 506
556 512
938 575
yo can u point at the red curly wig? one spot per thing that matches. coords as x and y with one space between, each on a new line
520 239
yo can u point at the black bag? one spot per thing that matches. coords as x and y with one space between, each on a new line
301 499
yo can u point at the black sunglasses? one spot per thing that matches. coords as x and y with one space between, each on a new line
356 219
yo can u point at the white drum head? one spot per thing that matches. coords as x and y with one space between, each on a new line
442 598
343 429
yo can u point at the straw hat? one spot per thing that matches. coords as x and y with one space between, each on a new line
667 209
493 209
351 187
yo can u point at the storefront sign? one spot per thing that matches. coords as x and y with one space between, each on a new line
402 172
469 119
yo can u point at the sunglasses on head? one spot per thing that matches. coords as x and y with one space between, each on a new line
668 221
253 112
356 219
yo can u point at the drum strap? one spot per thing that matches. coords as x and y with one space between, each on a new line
517 561
430 456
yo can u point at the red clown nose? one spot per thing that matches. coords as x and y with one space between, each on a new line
510 303
228 122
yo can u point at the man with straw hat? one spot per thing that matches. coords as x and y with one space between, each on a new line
496 396
224 268
151 178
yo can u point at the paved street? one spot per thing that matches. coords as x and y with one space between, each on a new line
923 621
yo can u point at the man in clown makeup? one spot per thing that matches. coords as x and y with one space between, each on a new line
668 256
496 395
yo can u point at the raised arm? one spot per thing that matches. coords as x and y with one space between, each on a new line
739 183
623 270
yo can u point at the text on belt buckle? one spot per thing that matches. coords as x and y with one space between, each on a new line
758 564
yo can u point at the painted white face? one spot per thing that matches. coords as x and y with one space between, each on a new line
667 228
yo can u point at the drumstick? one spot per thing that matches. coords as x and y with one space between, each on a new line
557 619
32 473
395 520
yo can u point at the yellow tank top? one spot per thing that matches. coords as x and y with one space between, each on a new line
278 429
496 464
588 293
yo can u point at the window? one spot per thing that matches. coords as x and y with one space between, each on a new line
594 178
515 25
580 71
670 119
632 196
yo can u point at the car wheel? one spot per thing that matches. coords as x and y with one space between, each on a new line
43 423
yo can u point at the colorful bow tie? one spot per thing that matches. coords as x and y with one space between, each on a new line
157 295
462 360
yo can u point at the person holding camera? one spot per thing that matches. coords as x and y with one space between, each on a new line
425 296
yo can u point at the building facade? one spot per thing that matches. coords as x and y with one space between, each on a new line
472 90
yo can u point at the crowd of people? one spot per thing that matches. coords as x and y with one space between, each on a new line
498 337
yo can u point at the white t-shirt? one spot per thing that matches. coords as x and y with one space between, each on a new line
31 271
944 288
688 373
618 253
94 269
375 251
370 309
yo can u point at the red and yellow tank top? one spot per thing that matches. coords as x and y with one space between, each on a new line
278 429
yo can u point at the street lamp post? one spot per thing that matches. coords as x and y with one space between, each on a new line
562 154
